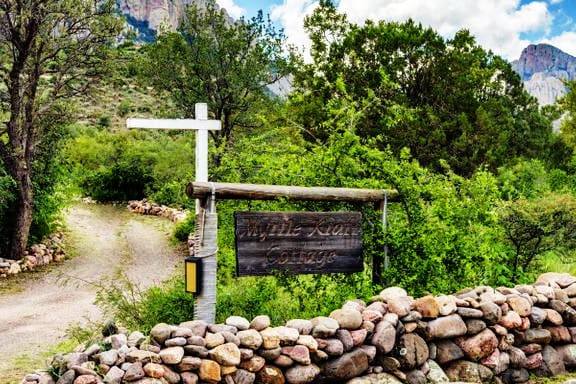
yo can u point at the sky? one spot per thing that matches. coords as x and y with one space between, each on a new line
503 26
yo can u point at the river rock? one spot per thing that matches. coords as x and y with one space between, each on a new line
226 354
520 305
512 376
134 372
86 379
300 354
391 292
371 315
427 306
478 346
468 371
198 327
238 322
172 355
270 338
254 364
511 320
345 338
384 337
568 354
288 335
154 370
347 318
436 374
538 336
161 332
308 341
176 342
347 366
446 305
270 375
412 351
447 351
375 378
446 327
474 326
188 363
400 305
560 335
209 371
533 361
250 338
553 317
333 347
324 327
114 376
552 363
302 374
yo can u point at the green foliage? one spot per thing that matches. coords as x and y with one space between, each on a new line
535 227
132 165
445 100
568 126
283 298
225 64
44 64
184 228
140 309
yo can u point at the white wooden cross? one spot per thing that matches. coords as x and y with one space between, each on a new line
201 124
205 307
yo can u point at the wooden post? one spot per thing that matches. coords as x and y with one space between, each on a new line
205 302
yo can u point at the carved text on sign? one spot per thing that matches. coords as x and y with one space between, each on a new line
298 242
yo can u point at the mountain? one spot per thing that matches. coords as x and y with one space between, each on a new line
542 68
146 16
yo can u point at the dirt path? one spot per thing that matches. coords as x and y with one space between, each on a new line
106 239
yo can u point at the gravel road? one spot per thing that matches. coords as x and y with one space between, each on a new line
106 240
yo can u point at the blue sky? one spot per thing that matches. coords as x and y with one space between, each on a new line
504 26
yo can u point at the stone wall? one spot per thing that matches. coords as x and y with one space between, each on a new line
48 251
475 335
145 207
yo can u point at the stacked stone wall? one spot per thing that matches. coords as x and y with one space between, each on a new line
475 335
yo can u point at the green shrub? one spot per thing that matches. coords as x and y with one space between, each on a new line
129 306
184 228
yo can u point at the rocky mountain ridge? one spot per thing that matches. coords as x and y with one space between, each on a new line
146 16
542 68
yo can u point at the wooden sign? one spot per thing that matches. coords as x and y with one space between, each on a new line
298 242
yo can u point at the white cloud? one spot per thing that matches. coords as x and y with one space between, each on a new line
233 10
290 14
496 24
565 41
556 1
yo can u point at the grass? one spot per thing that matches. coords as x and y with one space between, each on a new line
23 364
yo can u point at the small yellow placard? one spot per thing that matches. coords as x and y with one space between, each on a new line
193 274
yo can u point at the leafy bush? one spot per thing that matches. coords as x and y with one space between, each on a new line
184 228
131 165
134 308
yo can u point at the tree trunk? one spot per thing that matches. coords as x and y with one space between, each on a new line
23 220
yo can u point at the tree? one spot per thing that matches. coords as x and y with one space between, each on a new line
568 125
534 227
227 64
50 51
444 99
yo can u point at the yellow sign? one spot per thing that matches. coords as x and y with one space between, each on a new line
193 274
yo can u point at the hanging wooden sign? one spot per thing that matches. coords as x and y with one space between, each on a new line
298 242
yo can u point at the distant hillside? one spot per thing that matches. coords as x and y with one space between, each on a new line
542 68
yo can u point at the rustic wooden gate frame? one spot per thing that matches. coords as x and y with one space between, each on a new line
206 235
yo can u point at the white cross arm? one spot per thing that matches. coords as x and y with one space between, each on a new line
196 124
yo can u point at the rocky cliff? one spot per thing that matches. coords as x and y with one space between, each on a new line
542 67
145 16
